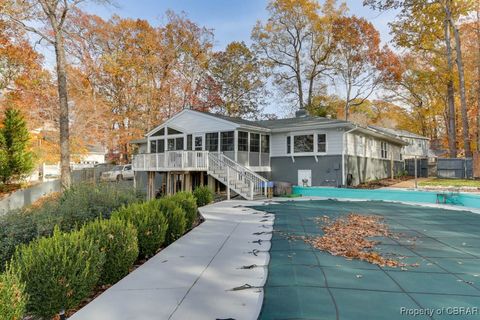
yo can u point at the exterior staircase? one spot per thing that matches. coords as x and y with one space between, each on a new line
236 177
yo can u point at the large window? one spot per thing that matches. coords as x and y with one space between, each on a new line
227 142
254 142
153 146
175 144
303 143
383 150
211 141
289 144
265 144
322 142
173 131
242 141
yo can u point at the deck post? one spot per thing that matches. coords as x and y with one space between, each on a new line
150 185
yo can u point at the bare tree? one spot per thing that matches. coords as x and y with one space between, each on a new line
48 20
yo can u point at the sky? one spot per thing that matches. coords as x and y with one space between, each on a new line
231 20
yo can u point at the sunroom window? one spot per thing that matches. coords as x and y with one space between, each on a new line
289 144
160 132
227 142
265 144
242 141
254 142
303 143
211 141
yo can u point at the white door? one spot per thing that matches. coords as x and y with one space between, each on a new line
305 178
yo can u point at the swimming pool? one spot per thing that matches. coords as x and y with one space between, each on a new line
416 196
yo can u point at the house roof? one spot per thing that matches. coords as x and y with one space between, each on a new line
400 133
236 120
299 121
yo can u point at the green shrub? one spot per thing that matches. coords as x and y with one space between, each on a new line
203 195
78 205
150 223
175 218
58 272
187 201
118 240
12 297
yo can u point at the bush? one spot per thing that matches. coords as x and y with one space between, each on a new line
80 204
150 223
12 297
203 195
58 272
175 218
188 203
118 240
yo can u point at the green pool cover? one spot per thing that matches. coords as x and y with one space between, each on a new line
305 283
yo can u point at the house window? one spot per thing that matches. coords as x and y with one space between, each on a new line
289 144
303 143
153 146
227 142
160 146
242 141
265 144
160 132
322 142
175 144
383 150
173 131
211 141
254 142
189 142
198 143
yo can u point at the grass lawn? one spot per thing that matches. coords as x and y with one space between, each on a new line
450 183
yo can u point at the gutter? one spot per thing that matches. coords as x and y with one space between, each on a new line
344 138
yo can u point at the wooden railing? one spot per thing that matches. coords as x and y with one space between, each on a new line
171 160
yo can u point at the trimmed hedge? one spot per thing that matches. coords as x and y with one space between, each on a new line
150 223
58 272
118 240
82 203
175 218
12 297
188 203
203 195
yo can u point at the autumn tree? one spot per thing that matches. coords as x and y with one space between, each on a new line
360 66
48 20
296 43
238 72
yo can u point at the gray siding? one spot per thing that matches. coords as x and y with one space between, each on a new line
326 172
365 169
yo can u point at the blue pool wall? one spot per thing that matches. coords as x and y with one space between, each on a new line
464 199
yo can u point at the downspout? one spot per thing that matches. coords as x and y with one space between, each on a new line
344 138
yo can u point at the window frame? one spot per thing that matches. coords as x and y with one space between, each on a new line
265 143
253 145
231 146
242 147
304 152
207 141
325 143
383 150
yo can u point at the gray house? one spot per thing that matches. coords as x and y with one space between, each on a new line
417 145
197 148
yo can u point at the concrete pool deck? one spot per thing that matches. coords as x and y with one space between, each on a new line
206 274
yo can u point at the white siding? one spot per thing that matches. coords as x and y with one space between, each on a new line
416 147
194 122
370 147
279 142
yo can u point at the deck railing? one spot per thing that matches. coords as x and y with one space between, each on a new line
171 160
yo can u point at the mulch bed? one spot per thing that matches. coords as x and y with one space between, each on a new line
377 184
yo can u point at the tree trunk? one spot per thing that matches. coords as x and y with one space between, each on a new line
452 130
461 81
65 179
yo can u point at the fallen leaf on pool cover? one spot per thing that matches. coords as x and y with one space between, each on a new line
348 237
